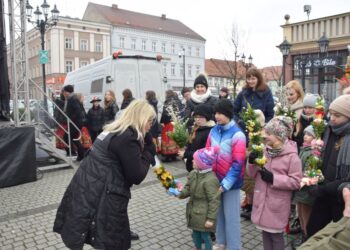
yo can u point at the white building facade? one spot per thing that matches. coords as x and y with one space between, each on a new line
140 34
133 41
71 44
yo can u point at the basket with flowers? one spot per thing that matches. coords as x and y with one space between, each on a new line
254 129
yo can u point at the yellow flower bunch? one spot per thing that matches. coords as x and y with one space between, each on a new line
165 177
254 129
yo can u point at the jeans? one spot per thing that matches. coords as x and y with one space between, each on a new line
199 237
228 220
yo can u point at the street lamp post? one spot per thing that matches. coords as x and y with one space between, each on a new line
42 25
284 48
183 65
323 43
249 64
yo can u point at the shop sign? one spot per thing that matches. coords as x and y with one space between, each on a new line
317 63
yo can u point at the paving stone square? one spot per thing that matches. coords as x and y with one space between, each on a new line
27 213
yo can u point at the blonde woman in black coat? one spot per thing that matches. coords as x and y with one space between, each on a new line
94 208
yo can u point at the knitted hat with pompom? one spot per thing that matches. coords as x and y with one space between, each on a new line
204 158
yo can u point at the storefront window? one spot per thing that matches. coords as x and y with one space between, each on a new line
320 73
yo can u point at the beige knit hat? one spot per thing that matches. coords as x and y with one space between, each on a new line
341 105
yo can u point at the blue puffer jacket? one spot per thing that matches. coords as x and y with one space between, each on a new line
262 100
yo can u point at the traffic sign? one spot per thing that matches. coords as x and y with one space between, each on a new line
43 56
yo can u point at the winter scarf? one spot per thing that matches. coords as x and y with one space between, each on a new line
273 152
297 105
343 160
307 117
200 98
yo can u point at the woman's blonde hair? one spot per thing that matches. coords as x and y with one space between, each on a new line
137 115
294 84
106 103
80 97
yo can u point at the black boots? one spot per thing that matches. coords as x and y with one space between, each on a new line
134 236
295 227
246 211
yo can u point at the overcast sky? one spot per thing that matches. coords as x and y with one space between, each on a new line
258 20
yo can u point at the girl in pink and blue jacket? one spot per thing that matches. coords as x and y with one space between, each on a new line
275 182
229 169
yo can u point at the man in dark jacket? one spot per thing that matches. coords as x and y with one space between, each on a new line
95 118
74 111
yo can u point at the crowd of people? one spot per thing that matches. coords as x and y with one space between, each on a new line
94 207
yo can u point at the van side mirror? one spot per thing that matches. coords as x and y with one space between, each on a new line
109 79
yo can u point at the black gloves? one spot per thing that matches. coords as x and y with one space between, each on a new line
149 149
266 175
252 157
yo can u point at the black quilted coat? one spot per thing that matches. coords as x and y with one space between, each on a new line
94 207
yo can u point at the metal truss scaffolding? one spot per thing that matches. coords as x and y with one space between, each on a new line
19 61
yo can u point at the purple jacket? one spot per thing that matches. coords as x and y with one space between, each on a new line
271 203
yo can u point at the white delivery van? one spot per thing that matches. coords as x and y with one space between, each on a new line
119 72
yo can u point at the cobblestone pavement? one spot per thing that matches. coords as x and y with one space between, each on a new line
27 212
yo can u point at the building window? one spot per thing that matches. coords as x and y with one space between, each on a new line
143 44
164 69
189 51
182 49
189 70
133 43
173 48
98 47
121 42
69 66
83 63
197 52
198 68
154 46
173 69
181 69
83 45
163 47
68 43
